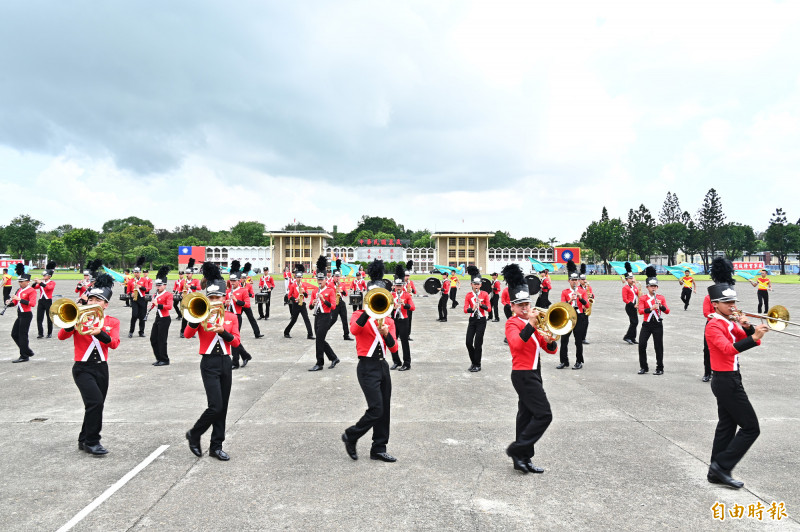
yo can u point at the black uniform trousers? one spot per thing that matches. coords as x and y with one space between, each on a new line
340 312
42 311
533 411
376 383
706 356
507 311
656 330
263 308
475 330
158 337
239 351
215 369
91 378
543 300
6 293
138 312
248 311
176 306
410 317
494 314
294 311
633 320
734 410
453 292
19 333
403 329
686 296
322 324
443 306
579 333
763 297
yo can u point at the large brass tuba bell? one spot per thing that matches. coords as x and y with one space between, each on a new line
65 313
197 308
378 303
559 319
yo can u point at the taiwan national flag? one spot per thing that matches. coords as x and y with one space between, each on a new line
563 255
198 253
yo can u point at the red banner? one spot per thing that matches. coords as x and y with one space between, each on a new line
564 255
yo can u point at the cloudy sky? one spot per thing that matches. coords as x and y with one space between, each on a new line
519 116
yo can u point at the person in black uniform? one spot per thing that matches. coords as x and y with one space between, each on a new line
137 287
297 296
323 309
24 299
46 285
161 303
445 290
340 312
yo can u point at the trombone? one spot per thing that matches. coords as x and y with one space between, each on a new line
65 313
197 308
777 318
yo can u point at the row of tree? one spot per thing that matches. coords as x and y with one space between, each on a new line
706 234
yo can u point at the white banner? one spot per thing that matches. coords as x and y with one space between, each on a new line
384 253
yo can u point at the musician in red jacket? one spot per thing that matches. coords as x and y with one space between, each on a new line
246 293
630 296
177 293
84 285
494 315
652 307
190 286
360 285
216 341
24 299
265 284
138 288
543 301
162 304
375 339
45 287
340 312
408 286
90 370
402 307
297 296
477 307
527 344
443 297
578 298
235 298
323 304
728 336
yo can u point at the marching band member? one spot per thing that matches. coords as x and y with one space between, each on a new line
764 288
494 315
126 274
234 303
375 339
45 288
360 285
578 298
476 305
190 285
527 344
6 284
90 370
177 290
652 306
288 279
543 301
341 307
216 342
24 299
297 305
630 296
590 293
408 286
266 284
728 335
83 286
401 314
721 272
323 304
244 294
162 303
689 286
445 291
505 299
454 286
137 287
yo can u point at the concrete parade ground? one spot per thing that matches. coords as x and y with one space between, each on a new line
624 451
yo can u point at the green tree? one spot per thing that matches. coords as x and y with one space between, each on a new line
423 241
781 237
149 252
129 238
669 238
58 252
20 236
671 210
79 242
736 239
107 252
691 243
250 234
604 237
502 239
300 226
641 232
114 226
709 220
223 238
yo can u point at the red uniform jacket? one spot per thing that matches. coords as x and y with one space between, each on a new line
526 344
342 291
647 302
368 338
28 294
505 298
294 292
178 286
323 300
546 285
708 307
194 284
266 282
406 304
85 344
142 286
474 308
250 293
630 294
162 303
238 298
148 283
410 287
446 286
496 287
208 339
360 285
81 288
726 339
45 289
580 303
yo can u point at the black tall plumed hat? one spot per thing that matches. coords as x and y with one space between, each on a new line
212 279
102 288
518 290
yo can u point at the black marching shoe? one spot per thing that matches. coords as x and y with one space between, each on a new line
81 447
194 446
706 378
317 367
519 463
219 454
97 450
563 365
659 372
532 468
259 336
635 342
234 366
161 363
395 366
334 362
641 371
246 360
286 335
130 335
141 335
39 337
20 359
585 342
350 447
578 365
404 368
383 457
310 337
628 341
348 338
724 476
472 367
49 336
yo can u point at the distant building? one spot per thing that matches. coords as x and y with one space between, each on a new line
470 249
290 248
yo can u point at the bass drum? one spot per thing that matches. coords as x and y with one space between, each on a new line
534 283
432 285
486 285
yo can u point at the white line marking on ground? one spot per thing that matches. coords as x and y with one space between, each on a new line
113 489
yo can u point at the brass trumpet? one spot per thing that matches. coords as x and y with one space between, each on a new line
378 303
777 318
65 313
197 308
557 320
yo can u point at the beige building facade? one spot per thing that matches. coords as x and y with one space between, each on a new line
454 249
297 247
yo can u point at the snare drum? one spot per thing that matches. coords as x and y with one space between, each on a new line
124 297
356 298
177 298
148 298
262 297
